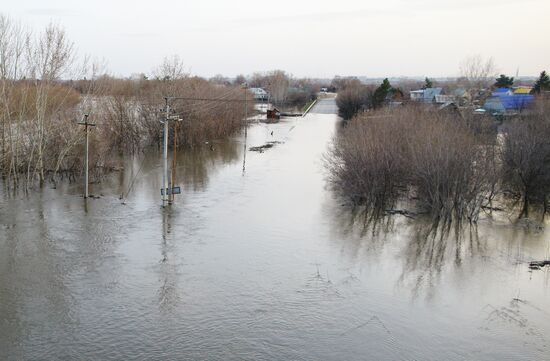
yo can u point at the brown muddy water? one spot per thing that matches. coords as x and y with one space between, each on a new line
262 266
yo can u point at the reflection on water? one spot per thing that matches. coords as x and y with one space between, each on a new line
258 266
168 273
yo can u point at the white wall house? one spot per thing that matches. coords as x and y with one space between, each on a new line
259 93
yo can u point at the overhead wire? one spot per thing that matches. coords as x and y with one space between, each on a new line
194 108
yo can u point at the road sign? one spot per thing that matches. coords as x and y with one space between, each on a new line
175 190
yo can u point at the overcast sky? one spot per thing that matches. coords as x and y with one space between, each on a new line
318 38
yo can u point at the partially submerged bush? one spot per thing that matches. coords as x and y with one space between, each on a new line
526 158
352 97
366 163
383 157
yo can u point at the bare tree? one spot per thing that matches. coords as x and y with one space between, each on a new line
51 56
13 38
45 88
172 68
478 71
277 85
526 158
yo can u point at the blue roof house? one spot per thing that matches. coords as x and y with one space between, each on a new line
504 100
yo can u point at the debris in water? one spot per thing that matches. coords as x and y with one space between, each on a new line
536 265
262 148
402 212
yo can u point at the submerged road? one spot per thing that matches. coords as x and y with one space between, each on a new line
325 106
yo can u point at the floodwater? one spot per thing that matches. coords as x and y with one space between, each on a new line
261 265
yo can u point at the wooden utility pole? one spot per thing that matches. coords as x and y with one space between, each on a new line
86 130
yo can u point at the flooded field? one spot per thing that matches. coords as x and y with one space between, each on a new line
263 264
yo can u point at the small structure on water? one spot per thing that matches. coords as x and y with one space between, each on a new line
273 115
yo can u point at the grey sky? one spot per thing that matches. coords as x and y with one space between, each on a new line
306 38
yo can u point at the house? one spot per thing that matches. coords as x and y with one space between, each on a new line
444 99
427 95
259 94
462 96
502 92
417 95
507 101
523 90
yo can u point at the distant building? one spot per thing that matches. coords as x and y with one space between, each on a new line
444 99
502 92
427 95
259 94
462 96
523 90
507 101
417 95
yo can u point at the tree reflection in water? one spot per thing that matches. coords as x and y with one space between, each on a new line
424 246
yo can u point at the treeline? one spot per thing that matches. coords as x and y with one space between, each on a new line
443 165
354 96
285 91
39 108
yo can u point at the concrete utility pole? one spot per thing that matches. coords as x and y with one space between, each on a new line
245 87
168 188
245 108
165 157
174 162
86 125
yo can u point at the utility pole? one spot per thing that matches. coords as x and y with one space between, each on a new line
168 189
86 130
165 157
174 163
245 87
245 109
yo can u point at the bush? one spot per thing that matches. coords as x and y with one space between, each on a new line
381 158
526 158
352 98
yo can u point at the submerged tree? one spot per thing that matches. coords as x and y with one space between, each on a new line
526 159
382 159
